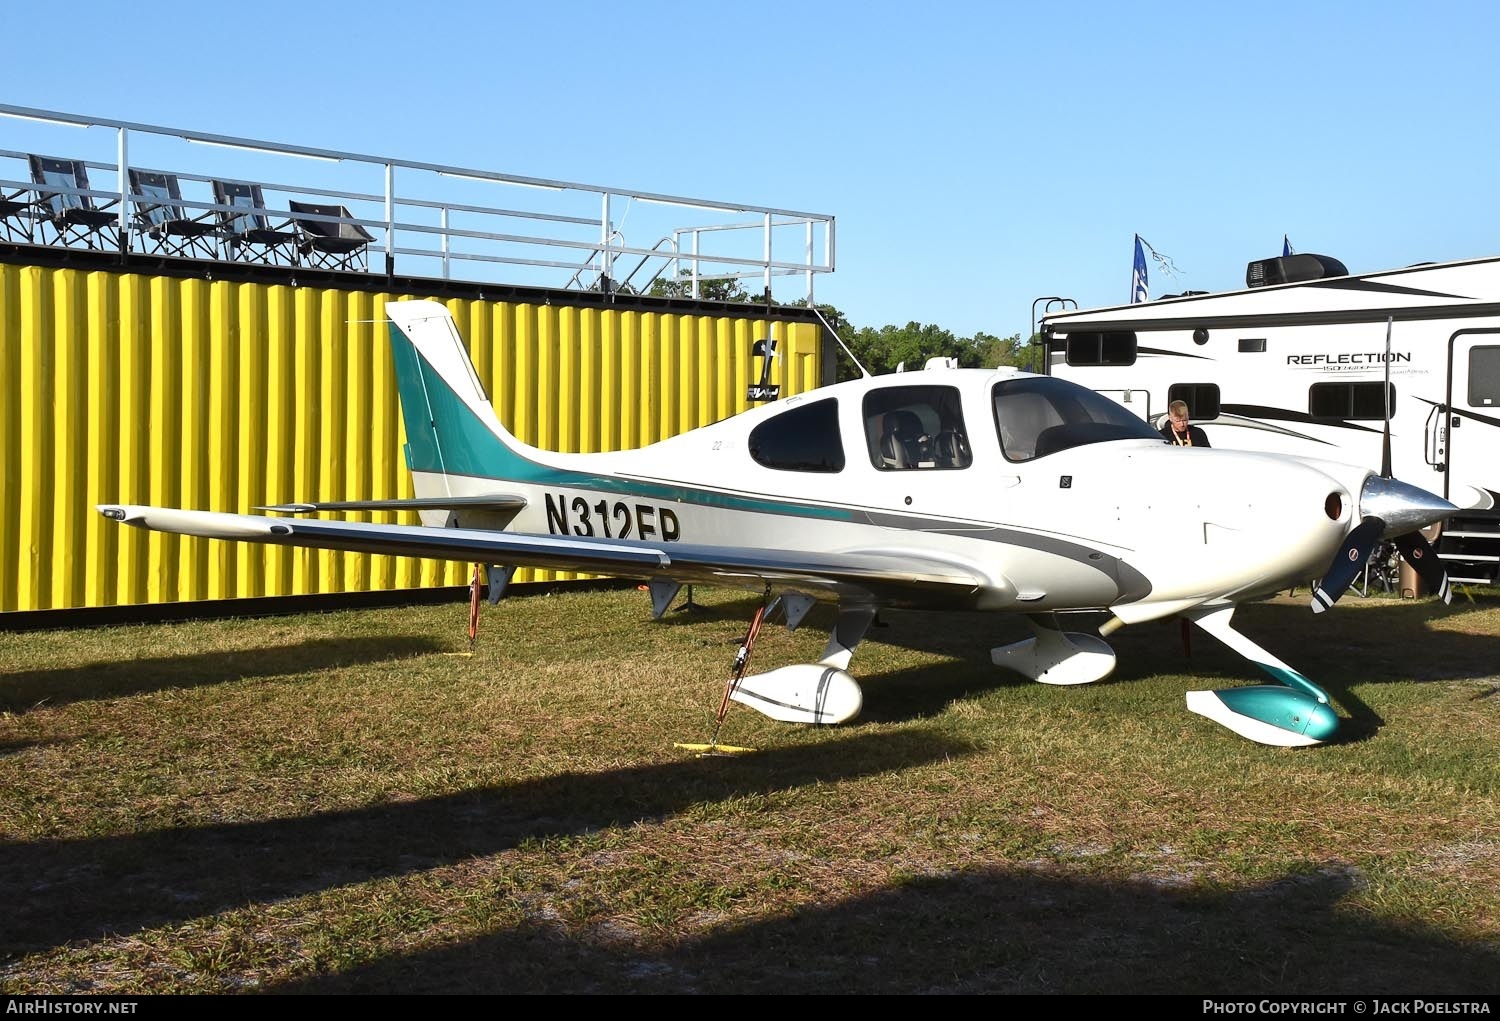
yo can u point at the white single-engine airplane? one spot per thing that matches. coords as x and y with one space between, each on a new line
940 489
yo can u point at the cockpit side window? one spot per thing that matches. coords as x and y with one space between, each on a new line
910 427
804 439
1040 415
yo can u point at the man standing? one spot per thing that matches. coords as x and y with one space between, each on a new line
1178 431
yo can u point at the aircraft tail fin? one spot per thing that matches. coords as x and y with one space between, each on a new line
451 427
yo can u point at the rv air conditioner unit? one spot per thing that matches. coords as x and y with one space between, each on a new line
1291 269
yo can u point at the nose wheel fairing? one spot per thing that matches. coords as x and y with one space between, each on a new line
1293 714
1268 714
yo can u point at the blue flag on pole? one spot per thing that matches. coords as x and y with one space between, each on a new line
1138 289
1286 247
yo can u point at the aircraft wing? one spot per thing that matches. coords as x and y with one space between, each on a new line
904 580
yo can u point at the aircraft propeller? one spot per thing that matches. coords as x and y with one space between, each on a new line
1373 527
1347 563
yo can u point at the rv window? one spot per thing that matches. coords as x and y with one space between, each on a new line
1113 348
916 427
1202 399
1484 377
801 439
1252 345
1350 401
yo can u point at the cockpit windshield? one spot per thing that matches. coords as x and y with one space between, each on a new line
1040 415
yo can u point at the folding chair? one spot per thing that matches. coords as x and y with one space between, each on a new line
250 236
326 244
74 217
161 218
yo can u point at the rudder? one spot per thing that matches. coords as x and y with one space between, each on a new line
451 427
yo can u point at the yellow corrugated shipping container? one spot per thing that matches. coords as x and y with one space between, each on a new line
133 388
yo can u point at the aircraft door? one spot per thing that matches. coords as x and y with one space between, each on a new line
1435 437
1473 418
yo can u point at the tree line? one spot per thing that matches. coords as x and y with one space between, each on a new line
881 349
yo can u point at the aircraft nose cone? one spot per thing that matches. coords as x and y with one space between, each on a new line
1403 507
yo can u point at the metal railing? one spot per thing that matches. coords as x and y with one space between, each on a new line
429 219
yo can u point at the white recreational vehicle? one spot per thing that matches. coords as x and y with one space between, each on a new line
1307 359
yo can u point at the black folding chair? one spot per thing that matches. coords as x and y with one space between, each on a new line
76 219
250 236
162 221
328 244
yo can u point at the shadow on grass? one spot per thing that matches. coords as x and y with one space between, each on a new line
920 692
1358 642
1375 643
1379 643
12 747
62 890
1368 643
688 608
990 931
29 689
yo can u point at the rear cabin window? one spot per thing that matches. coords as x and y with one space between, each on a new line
916 427
1484 377
1350 401
1202 399
1041 415
1111 348
802 439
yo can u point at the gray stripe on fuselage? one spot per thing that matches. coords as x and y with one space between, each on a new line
1127 581
1132 584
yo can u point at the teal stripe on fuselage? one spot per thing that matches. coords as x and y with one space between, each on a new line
443 435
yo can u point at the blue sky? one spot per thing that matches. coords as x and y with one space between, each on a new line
977 156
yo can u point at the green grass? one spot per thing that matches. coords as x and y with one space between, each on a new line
348 802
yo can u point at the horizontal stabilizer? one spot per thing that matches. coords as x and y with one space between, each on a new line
493 501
